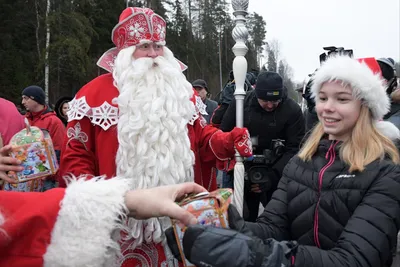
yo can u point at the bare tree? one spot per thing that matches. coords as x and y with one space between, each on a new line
273 52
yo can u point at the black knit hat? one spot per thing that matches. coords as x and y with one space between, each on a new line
36 93
269 86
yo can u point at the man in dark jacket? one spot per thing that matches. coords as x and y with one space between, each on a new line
202 89
270 116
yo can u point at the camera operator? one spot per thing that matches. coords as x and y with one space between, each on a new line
276 124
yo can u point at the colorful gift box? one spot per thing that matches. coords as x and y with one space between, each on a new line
208 208
34 148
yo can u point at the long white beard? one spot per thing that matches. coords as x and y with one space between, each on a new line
154 146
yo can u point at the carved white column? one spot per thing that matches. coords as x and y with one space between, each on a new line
240 35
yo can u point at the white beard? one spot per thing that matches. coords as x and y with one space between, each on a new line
154 147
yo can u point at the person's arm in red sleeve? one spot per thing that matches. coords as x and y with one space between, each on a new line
220 146
78 157
26 223
62 227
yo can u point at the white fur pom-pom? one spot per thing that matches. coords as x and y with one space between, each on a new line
388 129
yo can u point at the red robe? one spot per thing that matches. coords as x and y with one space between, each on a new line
91 146
54 228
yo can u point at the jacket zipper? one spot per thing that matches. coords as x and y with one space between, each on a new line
332 156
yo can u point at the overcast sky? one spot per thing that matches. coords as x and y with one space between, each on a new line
303 27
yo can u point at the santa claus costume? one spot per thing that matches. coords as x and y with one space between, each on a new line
142 122
62 227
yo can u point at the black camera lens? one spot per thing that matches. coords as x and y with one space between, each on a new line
257 176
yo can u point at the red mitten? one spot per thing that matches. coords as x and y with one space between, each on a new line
242 142
224 144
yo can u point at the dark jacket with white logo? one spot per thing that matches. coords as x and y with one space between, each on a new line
338 218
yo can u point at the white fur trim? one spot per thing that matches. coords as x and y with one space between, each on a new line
366 85
89 212
388 129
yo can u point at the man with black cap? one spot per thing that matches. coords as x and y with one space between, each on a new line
41 116
202 89
276 124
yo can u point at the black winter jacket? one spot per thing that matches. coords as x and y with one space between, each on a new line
285 122
338 218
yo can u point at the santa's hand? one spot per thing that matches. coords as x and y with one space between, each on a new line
242 142
160 201
223 145
8 163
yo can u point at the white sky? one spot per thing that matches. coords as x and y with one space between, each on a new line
370 27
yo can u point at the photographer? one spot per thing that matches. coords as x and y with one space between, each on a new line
277 124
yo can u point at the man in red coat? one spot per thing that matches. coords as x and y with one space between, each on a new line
142 122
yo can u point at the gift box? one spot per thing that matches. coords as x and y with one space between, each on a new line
35 185
209 209
34 148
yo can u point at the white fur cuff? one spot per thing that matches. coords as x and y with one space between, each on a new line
88 215
388 129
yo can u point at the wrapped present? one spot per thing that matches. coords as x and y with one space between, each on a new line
209 209
35 185
34 148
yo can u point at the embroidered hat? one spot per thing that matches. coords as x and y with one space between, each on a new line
136 26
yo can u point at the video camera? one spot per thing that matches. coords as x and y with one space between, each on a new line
332 50
260 167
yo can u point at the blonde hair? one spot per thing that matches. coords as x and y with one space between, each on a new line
364 145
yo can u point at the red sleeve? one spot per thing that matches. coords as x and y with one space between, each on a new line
29 220
78 157
204 132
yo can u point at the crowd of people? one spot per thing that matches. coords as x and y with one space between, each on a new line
135 140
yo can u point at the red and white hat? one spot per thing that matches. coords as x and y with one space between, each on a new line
136 26
365 78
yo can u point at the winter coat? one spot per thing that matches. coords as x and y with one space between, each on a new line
48 120
211 107
285 122
338 218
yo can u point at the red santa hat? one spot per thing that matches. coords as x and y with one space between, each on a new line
365 78
136 26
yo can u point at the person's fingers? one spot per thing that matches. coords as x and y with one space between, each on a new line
6 178
10 164
5 150
176 212
254 185
188 188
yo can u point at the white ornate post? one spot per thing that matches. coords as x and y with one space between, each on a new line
240 35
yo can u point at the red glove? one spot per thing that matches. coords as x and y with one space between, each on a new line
242 142
224 144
